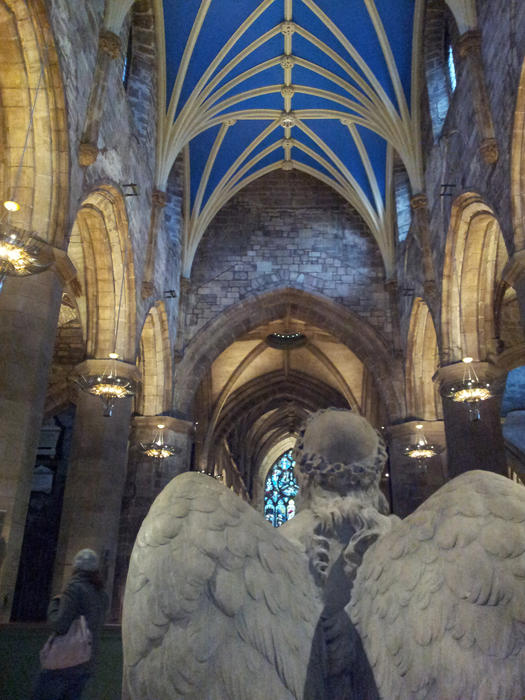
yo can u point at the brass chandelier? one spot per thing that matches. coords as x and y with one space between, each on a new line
158 448
470 390
22 253
421 449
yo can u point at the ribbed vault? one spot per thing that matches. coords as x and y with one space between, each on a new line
252 87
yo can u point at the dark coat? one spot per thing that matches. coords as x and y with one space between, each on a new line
80 597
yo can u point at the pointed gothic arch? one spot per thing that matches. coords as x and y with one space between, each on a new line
517 184
155 363
423 400
100 249
29 61
475 256
350 329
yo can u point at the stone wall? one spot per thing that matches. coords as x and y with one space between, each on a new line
287 230
127 137
453 157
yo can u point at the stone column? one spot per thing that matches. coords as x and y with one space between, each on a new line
473 444
392 288
145 479
421 224
411 482
469 49
95 480
29 310
109 48
158 202
514 274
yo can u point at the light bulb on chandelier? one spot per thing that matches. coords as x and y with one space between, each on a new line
158 448
421 450
470 390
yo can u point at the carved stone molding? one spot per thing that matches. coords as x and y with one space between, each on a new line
418 201
110 43
87 154
489 150
159 198
469 42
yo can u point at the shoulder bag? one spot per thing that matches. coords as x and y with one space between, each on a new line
69 649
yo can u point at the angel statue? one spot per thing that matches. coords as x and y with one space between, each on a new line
341 603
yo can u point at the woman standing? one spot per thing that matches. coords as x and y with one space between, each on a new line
83 595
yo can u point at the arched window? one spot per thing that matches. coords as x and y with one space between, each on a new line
440 34
126 67
280 490
402 201
451 65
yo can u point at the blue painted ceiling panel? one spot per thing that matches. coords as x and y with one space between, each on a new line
352 19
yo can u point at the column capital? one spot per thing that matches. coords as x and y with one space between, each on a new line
159 198
87 154
418 201
489 150
109 43
469 42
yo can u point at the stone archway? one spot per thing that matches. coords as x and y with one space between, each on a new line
40 185
154 396
350 330
104 289
475 256
517 183
423 400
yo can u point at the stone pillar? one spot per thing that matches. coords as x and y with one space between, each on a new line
109 48
145 479
392 288
95 480
421 224
29 310
469 49
514 274
158 202
473 444
411 482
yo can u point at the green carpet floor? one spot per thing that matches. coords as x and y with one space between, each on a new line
19 647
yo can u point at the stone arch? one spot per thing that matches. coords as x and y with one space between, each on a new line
100 249
475 256
350 329
155 363
41 184
423 400
517 183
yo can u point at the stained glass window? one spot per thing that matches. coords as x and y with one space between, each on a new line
280 491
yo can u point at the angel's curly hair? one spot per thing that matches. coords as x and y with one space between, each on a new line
314 469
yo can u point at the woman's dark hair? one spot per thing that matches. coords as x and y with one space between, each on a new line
94 577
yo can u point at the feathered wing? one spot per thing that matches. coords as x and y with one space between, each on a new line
218 605
439 602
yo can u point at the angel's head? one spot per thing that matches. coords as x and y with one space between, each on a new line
339 451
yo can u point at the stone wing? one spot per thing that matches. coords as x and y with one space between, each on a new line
218 605
440 601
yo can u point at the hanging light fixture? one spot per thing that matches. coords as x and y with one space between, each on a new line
421 449
22 253
111 384
470 390
158 448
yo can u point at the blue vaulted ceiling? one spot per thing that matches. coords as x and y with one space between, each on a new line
320 86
